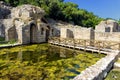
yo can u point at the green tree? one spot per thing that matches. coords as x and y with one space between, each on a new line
60 10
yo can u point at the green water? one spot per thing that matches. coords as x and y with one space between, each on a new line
43 62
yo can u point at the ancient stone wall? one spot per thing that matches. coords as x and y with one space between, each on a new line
84 33
77 33
19 28
41 33
106 36
25 34
108 26
67 33
63 33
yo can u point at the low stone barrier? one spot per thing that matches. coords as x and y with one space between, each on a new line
99 70
9 45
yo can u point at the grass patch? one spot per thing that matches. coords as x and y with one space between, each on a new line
2 39
118 61
113 75
7 42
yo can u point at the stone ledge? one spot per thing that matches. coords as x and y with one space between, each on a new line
10 45
99 70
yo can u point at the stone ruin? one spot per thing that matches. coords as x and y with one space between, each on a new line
108 26
108 30
26 24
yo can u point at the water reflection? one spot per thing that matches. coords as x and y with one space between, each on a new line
20 54
52 53
7 55
43 62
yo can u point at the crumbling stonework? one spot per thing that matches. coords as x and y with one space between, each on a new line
26 25
101 32
77 32
108 31
105 36
57 25
108 26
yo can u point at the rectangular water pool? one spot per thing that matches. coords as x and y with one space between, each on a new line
43 62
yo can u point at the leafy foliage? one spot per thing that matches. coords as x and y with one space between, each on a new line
2 39
60 10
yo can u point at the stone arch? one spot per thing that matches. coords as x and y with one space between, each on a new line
33 33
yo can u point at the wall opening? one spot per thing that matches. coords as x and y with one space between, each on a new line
12 34
43 19
33 34
47 33
42 31
107 29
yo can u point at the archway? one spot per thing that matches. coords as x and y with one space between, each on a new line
32 33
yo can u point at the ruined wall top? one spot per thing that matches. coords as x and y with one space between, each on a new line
26 11
108 26
107 22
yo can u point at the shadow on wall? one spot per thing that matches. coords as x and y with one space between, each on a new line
4 13
2 29
12 34
33 33
70 34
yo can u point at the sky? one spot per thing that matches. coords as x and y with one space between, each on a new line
101 8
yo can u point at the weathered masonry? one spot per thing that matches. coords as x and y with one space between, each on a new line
26 24
100 33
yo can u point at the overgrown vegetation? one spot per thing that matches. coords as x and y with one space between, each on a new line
2 38
3 42
43 62
113 75
60 10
